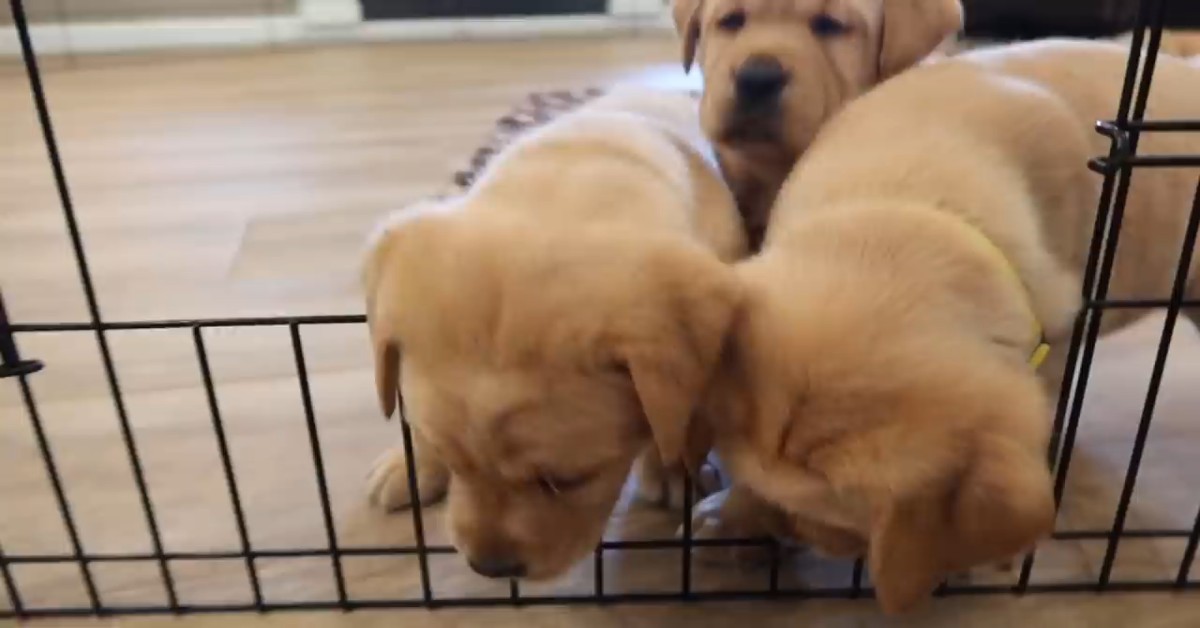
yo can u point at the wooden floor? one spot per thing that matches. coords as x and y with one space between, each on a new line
243 185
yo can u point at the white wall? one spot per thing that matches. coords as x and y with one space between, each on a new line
635 7
321 20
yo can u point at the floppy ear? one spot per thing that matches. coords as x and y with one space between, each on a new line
673 349
385 345
378 283
387 369
1000 505
912 29
686 14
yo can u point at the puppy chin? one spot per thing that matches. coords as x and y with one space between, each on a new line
555 561
759 128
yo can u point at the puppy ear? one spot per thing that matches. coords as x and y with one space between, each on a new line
379 278
686 14
912 29
1000 505
672 350
385 345
387 377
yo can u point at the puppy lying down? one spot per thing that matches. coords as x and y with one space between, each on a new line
553 324
880 382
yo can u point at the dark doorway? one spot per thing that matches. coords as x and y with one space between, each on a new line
1028 19
408 9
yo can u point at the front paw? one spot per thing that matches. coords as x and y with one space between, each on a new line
388 486
727 515
664 489
1005 571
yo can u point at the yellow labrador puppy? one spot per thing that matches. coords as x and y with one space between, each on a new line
776 70
553 324
880 383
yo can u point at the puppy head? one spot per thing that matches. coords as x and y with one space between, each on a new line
538 367
882 431
775 70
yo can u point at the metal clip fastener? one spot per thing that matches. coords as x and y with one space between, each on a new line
11 364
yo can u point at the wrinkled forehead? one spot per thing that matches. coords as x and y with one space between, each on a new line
521 423
457 315
852 10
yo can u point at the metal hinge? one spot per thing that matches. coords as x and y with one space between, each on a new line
11 364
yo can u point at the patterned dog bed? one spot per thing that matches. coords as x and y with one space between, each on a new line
537 109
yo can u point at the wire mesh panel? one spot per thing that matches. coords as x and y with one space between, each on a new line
288 429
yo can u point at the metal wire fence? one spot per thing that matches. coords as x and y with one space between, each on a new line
1125 131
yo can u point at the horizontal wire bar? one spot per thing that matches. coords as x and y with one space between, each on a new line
355 319
446 550
270 321
226 555
1105 164
1137 304
621 598
1094 535
264 321
1164 126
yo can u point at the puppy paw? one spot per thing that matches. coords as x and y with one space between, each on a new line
663 489
388 486
1001 572
720 516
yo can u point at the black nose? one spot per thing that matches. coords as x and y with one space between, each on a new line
498 567
760 81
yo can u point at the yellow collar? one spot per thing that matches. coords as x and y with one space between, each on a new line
1042 348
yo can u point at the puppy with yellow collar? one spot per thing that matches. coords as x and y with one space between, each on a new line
880 383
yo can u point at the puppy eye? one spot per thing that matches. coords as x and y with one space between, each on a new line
732 22
619 368
825 26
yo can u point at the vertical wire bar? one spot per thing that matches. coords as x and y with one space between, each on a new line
235 498
10 585
314 441
1101 256
1069 370
1189 555
417 514
598 573
41 104
773 575
1182 274
857 584
60 495
514 591
685 588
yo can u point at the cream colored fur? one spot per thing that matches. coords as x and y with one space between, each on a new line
876 384
882 39
553 324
